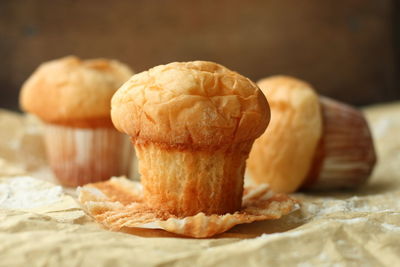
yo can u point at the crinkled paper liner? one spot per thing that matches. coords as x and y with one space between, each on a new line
79 156
118 204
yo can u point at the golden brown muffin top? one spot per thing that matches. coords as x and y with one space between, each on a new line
195 103
74 92
283 155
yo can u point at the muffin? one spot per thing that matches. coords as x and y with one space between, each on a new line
72 97
312 141
282 156
193 125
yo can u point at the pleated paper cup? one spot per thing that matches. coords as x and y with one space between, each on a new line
345 156
79 156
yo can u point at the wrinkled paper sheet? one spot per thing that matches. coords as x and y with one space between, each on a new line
45 226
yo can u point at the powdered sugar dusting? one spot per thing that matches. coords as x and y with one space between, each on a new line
24 193
350 205
390 227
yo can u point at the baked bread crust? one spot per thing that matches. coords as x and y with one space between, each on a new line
193 105
283 155
74 92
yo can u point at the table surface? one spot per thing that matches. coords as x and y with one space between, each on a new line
346 227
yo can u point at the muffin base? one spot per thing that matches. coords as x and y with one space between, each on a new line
187 181
79 156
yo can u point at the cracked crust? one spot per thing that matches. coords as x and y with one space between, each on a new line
74 92
190 104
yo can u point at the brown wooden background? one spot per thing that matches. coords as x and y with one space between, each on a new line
347 49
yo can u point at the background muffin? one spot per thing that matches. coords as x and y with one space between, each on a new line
282 156
312 141
72 97
193 124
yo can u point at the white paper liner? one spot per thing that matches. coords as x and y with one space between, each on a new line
346 156
80 156
118 204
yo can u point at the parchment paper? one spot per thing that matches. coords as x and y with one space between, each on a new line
350 228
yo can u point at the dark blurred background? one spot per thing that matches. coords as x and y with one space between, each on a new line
348 49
